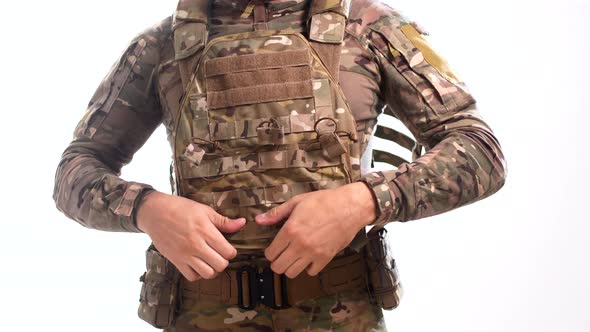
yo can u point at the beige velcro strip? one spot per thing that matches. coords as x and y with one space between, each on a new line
260 94
260 77
251 62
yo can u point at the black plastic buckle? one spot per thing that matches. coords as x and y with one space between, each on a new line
261 288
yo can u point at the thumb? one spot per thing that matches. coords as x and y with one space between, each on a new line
227 225
276 214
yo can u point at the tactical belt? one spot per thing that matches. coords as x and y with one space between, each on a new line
254 282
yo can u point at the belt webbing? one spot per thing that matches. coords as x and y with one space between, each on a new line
341 274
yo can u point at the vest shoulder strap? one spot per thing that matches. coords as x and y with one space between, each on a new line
189 26
326 25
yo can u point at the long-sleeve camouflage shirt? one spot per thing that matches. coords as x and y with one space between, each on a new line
464 162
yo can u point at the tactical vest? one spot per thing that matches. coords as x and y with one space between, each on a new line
262 117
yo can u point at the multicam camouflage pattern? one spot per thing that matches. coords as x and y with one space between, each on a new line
349 311
380 70
272 122
159 291
383 73
465 162
327 27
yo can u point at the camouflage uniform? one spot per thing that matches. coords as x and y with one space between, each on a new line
379 73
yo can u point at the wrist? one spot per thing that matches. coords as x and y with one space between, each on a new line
146 209
361 198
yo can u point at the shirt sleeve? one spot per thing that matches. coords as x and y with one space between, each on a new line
121 116
464 161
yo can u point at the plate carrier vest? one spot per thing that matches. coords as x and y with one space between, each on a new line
263 117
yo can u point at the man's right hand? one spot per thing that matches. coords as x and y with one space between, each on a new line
188 234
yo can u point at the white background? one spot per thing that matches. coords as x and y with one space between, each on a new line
517 261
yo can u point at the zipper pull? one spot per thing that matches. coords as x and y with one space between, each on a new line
332 145
193 153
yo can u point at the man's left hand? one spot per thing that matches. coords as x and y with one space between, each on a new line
319 225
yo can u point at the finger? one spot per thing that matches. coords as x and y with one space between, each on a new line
277 246
316 266
217 242
202 268
285 259
213 259
296 268
189 273
277 213
225 224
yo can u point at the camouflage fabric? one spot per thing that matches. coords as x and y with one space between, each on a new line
380 70
347 312
251 89
464 164
386 69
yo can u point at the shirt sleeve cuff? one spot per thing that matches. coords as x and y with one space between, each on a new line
384 200
126 208
139 202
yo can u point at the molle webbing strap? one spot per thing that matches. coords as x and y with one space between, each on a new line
251 78
296 123
252 62
260 94
257 161
386 157
403 140
395 136
260 195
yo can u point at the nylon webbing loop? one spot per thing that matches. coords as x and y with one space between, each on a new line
389 158
393 135
253 62
296 123
257 161
260 195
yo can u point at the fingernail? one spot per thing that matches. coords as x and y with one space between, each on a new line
261 217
